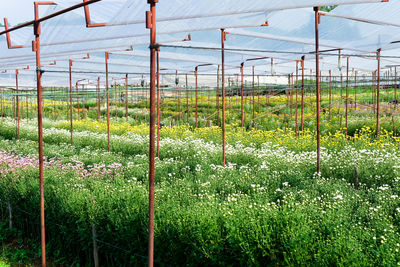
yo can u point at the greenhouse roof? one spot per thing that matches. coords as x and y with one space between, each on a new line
277 32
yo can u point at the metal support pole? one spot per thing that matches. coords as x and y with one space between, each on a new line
83 102
287 91
241 94
302 93
151 24
297 93
355 90
341 90
107 56
115 100
378 91
126 97
16 86
217 96
195 73
53 99
395 88
374 91
13 106
317 21
259 93
252 93
347 91
178 96
187 99
223 38
27 107
291 95
36 46
98 99
330 93
77 100
70 103
229 95
158 103
2 104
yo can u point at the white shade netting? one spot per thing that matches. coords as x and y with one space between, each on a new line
352 27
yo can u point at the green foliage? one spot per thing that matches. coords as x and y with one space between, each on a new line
266 210
268 207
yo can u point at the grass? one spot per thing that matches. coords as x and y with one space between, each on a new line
16 250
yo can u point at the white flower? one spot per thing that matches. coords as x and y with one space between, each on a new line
338 197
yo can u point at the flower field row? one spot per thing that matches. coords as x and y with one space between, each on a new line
364 138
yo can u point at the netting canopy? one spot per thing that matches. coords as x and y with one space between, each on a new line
280 32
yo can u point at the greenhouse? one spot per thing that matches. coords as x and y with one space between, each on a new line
200 133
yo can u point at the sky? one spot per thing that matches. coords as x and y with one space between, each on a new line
17 11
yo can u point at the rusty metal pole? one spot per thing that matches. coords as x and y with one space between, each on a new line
223 38
237 92
386 82
217 96
297 93
27 107
13 106
378 91
195 73
187 99
395 88
53 99
302 93
317 21
70 102
158 103
347 91
241 94
252 93
77 99
107 56
259 92
83 102
98 99
39 72
330 93
16 86
291 95
355 89
374 90
341 89
287 91
229 95
151 24
126 97
179 96
2 103
115 99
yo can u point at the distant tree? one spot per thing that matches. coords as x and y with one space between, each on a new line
328 8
